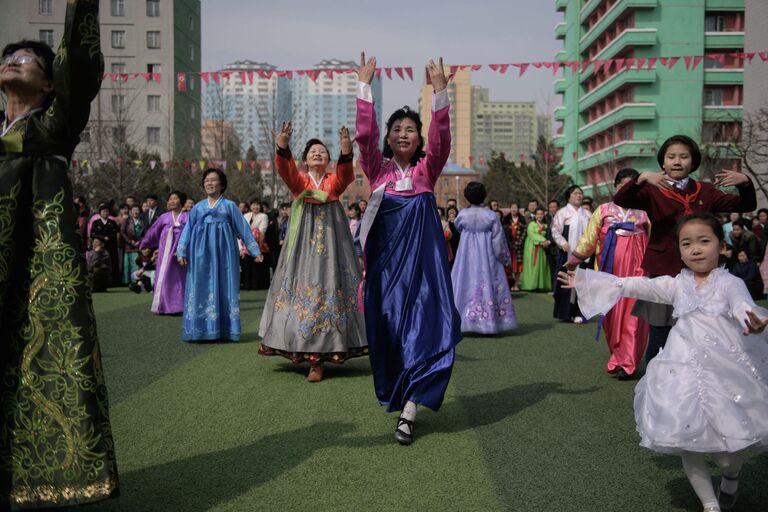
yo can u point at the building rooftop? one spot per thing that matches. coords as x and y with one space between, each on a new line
249 65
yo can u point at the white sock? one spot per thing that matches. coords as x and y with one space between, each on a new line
730 464
701 480
409 413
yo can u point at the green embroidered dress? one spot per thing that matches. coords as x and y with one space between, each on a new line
56 444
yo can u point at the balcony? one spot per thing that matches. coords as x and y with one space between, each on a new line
626 112
610 17
561 85
630 37
724 5
587 9
561 56
723 113
734 40
723 76
624 149
559 141
559 114
560 30
626 76
560 5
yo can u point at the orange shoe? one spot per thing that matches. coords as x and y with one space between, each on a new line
315 373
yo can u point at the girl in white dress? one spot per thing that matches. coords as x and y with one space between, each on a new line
707 391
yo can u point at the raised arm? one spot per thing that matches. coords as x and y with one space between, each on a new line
366 127
286 166
439 136
598 292
634 193
78 67
345 170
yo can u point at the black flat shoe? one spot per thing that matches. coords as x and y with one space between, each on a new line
401 436
622 374
727 500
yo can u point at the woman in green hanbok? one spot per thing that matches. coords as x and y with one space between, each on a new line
536 276
56 445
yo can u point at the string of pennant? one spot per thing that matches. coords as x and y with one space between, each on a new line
691 62
190 165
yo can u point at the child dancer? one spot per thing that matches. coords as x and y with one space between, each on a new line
480 287
411 321
707 391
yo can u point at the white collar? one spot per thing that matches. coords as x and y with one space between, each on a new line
7 127
679 185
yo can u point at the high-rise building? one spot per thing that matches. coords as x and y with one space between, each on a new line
509 127
460 94
616 117
146 36
755 81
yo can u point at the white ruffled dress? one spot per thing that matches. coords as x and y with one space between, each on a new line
707 391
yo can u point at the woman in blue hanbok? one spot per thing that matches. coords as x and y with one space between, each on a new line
208 245
480 288
411 322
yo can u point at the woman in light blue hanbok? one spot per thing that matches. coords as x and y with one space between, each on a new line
208 245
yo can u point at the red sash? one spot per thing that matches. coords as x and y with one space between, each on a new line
685 199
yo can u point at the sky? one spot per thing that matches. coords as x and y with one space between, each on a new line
296 34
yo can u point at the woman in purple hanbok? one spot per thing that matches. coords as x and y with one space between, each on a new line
170 276
480 287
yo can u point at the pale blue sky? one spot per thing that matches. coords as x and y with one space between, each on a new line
295 34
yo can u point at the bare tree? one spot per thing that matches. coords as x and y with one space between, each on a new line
752 147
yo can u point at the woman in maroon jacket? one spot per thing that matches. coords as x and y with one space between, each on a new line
666 197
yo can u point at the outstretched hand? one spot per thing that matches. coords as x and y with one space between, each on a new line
367 69
345 142
437 75
728 178
259 258
283 137
754 324
567 279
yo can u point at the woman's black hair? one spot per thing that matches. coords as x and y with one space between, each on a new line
704 218
46 55
356 208
181 195
569 191
219 173
761 210
397 115
693 148
475 192
451 208
255 200
441 211
310 143
623 174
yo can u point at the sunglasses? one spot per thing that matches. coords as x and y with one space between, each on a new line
21 60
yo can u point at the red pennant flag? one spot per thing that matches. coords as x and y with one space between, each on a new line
750 56
388 72
252 164
697 60
124 77
607 65
204 76
113 77
194 166
409 72
687 60
289 75
641 62
378 72
250 78
628 63
642 149
262 74
523 67
454 69
399 72
74 163
300 72
482 160
615 152
167 164
494 67
522 156
156 77
329 73
555 68
313 74
216 77
181 81
504 68
147 76
574 65
763 56
225 75
584 65
619 63
671 61
476 67
242 77
651 62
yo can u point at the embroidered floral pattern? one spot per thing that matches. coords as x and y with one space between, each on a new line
482 306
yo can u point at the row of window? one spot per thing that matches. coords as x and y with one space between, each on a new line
119 40
45 7
119 135
153 104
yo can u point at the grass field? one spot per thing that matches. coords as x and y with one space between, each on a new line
531 422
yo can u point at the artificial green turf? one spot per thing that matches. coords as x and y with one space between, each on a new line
531 422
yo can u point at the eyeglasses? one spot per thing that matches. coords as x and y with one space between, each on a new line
20 60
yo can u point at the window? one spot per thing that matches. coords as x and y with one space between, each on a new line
153 103
191 23
191 52
153 39
713 97
118 8
118 67
118 134
359 181
46 36
154 68
85 135
118 39
153 135
714 23
46 7
153 8
712 64
118 103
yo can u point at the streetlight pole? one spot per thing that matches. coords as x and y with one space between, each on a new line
457 191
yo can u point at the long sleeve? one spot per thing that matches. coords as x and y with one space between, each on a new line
261 222
633 195
598 292
499 243
78 67
588 242
186 233
439 136
345 173
740 301
242 229
367 133
151 239
558 224
287 170
533 234
746 201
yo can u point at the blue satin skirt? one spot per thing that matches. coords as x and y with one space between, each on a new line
411 320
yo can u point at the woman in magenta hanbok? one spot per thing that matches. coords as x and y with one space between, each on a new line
480 287
170 276
619 236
